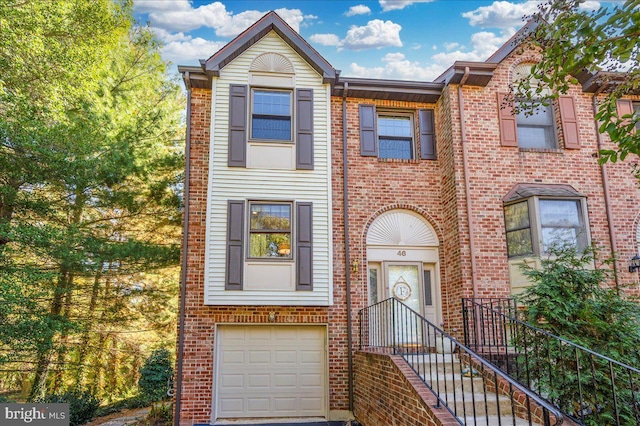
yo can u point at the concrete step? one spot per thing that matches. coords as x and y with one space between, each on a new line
467 401
444 373
495 421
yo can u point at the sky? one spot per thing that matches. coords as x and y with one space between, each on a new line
390 39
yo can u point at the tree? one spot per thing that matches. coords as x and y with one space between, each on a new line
155 376
90 172
573 42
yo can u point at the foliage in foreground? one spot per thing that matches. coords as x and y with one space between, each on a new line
90 185
571 298
83 406
573 39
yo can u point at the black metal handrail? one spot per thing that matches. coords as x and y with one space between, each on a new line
469 387
588 387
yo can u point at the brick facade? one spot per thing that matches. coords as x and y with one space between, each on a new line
388 392
435 190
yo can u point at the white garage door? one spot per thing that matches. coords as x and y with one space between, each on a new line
270 371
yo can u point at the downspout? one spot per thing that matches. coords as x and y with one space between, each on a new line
465 164
183 272
347 267
605 187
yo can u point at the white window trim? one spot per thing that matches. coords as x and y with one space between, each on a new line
553 125
253 89
412 127
535 224
292 219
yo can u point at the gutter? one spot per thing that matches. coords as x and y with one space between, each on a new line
183 272
605 187
347 268
465 163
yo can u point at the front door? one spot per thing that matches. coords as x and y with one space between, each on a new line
412 283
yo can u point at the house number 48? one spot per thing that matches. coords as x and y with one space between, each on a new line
402 253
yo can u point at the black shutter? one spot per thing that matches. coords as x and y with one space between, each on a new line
427 134
237 156
304 250
235 245
304 129
368 136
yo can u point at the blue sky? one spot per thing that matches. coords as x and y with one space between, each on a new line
396 39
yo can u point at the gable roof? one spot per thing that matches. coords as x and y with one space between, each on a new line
515 41
269 22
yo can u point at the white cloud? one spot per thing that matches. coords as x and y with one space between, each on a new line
483 45
360 9
501 14
375 35
451 46
183 17
590 5
146 6
388 5
398 67
183 49
325 39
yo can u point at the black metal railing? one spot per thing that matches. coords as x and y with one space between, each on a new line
588 387
469 387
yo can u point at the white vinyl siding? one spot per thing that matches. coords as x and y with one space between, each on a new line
266 185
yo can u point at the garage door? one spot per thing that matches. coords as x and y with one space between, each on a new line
270 371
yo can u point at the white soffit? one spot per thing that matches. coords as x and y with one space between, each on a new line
401 228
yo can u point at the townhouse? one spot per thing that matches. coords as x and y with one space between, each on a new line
311 196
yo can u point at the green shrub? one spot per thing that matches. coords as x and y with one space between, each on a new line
155 375
82 405
570 297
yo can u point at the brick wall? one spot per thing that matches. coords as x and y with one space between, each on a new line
389 393
494 170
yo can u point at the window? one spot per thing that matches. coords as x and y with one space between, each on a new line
528 124
561 224
390 134
395 139
636 112
536 225
271 115
270 230
536 126
516 217
259 231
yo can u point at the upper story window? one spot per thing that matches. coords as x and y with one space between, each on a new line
528 124
536 122
636 111
395 136
271 115
270 230
537 224
536 126
261 231
391 134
